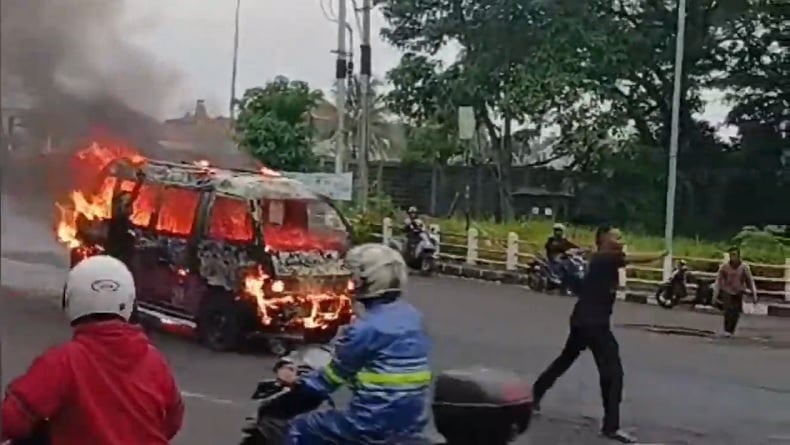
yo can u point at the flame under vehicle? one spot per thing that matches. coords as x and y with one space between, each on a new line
228 255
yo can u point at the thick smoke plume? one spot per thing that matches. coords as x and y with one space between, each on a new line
68 72
71 64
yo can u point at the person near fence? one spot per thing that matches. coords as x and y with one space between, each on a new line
590 329
731 283
556 246
412 227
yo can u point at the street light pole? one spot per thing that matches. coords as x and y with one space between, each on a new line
341 68
365 73
235 64
672 178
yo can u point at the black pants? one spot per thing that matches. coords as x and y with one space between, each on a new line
601 342
733 306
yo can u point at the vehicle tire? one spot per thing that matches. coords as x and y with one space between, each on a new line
278 347
665 297
426 266
219 324
535 281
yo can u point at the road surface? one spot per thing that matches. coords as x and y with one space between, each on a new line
679 390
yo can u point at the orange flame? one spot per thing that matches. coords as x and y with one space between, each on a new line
325 308
87 164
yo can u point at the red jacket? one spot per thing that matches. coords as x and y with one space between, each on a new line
107 386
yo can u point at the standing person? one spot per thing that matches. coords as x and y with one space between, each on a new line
106 386
590 328
120 236
731 283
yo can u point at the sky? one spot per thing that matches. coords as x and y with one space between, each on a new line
277 37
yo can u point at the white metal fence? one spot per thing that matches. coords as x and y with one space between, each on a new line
513 254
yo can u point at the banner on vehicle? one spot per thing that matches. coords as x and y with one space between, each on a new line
336 186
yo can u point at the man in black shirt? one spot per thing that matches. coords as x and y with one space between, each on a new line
590 329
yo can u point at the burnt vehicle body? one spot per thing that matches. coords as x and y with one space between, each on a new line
228 254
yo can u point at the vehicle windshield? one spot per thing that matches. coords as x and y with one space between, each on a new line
291 225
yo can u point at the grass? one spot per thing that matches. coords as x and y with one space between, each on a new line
532 236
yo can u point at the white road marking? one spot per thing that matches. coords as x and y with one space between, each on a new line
207 398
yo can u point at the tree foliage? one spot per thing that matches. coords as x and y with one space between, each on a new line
273 124
599 76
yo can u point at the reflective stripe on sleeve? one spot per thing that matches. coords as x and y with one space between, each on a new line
331 375
394 379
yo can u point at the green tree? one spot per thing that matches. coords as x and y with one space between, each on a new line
273 124
387 135
423 97
521 64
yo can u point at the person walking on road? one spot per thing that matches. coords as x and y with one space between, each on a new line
731 283
590 329
106 386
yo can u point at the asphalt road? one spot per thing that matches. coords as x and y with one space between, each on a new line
679 390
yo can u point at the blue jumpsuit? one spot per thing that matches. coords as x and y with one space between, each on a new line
383 357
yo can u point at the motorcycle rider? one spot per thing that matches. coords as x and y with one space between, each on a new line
383 355
106 386
412 227
556 246
731 283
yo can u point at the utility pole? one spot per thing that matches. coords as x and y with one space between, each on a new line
672 177
365 72
234 70
341 68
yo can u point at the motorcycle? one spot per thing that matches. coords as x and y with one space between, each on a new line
420 250
674 290
477 406
541 277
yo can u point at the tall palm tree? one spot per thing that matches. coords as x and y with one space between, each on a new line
387 136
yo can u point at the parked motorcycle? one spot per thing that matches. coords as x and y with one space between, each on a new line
420 250
675 289
477 406
541 277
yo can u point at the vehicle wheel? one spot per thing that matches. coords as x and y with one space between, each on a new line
664 298
426 266
535 281
277 347
219 324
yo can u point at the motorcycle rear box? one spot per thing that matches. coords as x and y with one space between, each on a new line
481 405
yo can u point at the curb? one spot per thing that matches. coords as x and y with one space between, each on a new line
517 278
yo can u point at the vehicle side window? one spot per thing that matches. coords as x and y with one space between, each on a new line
142 207
230 220
177 213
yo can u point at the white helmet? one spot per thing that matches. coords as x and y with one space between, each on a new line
99 285
376 269
559 226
